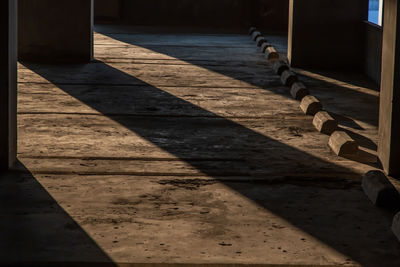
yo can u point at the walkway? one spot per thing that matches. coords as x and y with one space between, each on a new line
185 148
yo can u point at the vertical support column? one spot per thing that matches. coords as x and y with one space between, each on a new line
389 117
8 83
326 34
56 31
107 10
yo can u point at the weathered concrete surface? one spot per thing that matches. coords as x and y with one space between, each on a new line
288 78
201 220
280 66
187 149
35 229
8 83
380 190
324 122
299 91
310 105
55 31
342 144
271 54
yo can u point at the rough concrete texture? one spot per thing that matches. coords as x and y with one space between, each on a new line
251 30
280 66
380 190
342 144
324 123
260 40
299 91
170 149
310 105
271 54
255 35
288 78
264 47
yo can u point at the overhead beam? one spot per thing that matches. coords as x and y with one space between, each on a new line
389 117
8 83
326 34
56 31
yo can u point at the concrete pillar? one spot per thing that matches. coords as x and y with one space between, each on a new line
389 117
326 34
8 83
107 10
55 31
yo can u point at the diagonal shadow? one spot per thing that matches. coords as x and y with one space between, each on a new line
187 49
239 151
35 229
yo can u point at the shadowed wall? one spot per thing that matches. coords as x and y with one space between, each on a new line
55 31
268 14
327 34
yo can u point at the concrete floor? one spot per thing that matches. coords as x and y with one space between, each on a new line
185 148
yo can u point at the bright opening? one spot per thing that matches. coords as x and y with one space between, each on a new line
375 11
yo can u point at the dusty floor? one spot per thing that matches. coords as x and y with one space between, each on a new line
185 148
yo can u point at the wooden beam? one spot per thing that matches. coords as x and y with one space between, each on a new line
8 83
389 117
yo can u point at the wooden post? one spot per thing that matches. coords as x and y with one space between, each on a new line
8 83
389 118
326 34
56 31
